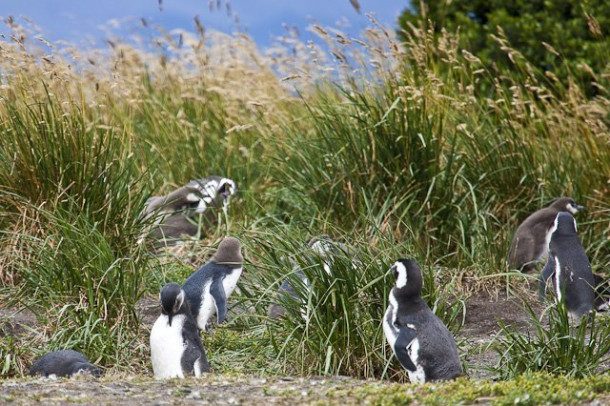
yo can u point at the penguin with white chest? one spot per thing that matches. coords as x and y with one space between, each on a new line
176 349
208 289
568 265
421 342
531 241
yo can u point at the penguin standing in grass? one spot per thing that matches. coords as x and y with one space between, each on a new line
421 342
531 241
568 265
208 289
176 349
319 249
63 363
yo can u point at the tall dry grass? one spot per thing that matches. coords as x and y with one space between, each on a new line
410 148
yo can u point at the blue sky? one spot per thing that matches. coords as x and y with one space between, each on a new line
83 21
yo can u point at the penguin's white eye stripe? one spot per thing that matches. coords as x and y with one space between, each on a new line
179 300
401 280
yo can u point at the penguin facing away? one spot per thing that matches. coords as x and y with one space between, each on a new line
208 289
63 363
176 349
568 265
184 211
421 342
531 240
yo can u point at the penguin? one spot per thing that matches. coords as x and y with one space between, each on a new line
421 342
286 289
318 248
176 349
185 210
63 363
573 281
208 289
531 240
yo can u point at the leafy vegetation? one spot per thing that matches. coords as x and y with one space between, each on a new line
395 150
567 38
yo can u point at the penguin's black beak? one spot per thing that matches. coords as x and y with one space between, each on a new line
169 318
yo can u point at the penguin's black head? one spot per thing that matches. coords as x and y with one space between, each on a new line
226 189
407 275
172 299
567 204
565 224
213 191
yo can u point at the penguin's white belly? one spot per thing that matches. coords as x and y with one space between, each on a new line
390 332
418 375
230 281
208 306
167 347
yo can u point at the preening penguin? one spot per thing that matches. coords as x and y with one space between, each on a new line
176 349
421 342
208 289
531 240
63 363
568 265
189 210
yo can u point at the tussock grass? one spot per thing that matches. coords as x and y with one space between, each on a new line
399 149
558 347
332 321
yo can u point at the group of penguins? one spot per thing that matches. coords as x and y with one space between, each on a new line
420 341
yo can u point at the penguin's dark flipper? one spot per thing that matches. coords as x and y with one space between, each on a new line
403 340
189 357
217 291
547 272
194 354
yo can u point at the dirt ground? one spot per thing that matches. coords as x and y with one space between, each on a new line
216 390
482 313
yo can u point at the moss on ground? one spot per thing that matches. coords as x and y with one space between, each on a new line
529 389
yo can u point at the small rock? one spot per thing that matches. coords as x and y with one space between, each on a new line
194 395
